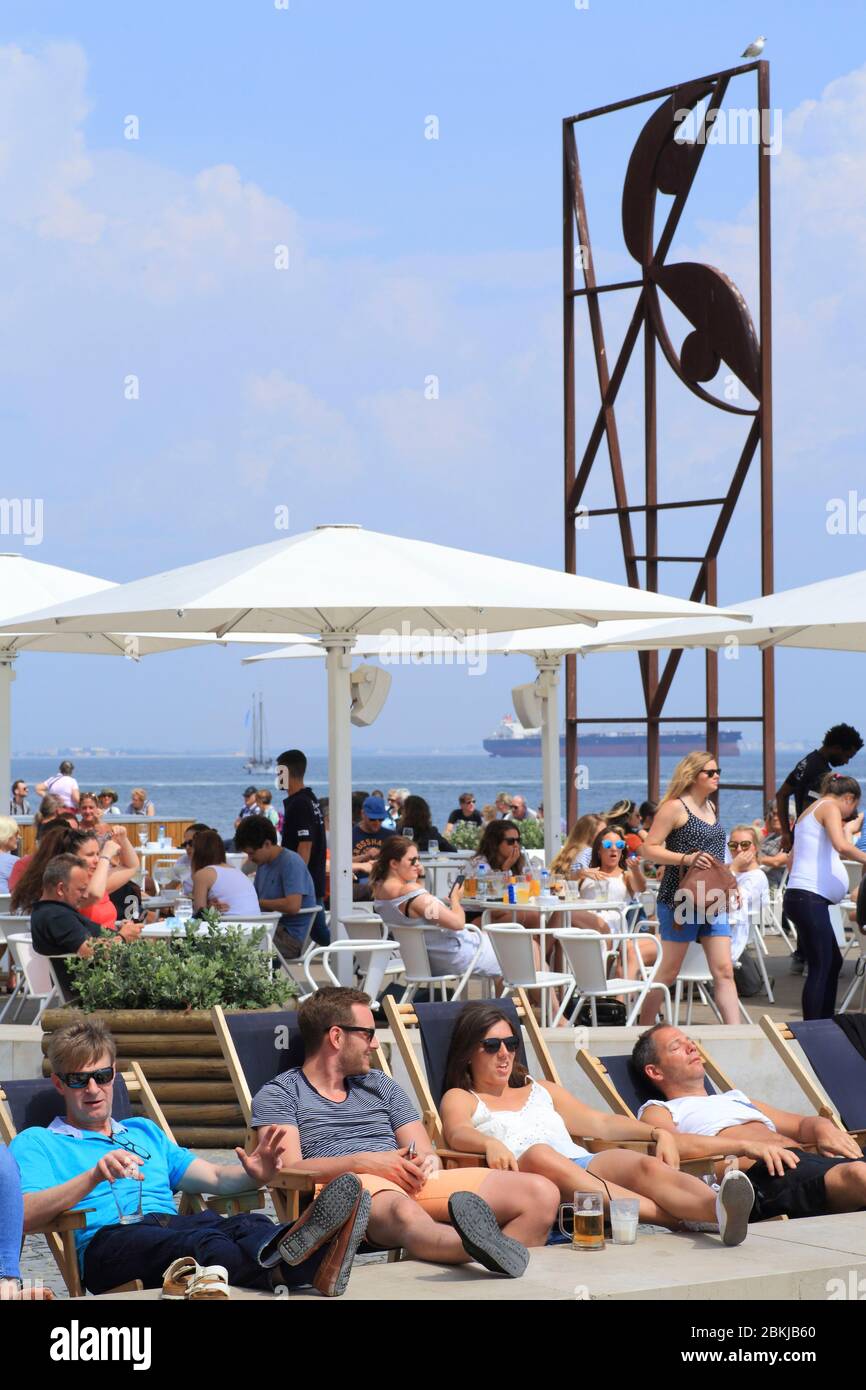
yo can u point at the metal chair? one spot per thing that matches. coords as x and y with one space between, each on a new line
588 958
513 947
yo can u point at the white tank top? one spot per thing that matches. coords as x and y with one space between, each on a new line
235 888
537 1122
711 1114
612 890
816 866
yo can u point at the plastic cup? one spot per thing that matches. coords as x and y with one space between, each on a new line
623 1220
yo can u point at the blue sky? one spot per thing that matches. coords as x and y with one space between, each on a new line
258 388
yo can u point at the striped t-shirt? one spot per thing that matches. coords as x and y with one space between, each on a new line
365 1122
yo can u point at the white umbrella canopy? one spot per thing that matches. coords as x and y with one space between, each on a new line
341 579
338 582
27 584
547 645
829 615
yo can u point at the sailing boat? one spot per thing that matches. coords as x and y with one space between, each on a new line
259 760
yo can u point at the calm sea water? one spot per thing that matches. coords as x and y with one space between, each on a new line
210 788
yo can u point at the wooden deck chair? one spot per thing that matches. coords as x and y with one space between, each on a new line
435 1023
834 1060
257 1047
427 1081
24 1104
625 1092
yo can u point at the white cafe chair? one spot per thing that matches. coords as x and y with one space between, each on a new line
513 947
589 954
35 978
412 941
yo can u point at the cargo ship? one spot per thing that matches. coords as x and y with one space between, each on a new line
511 740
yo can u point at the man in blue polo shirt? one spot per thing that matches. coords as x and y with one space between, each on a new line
283 883
90 1160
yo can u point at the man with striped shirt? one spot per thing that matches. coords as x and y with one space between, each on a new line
341 1115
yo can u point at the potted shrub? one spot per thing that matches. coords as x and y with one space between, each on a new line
156 997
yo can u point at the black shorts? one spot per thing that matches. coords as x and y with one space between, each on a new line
800 1191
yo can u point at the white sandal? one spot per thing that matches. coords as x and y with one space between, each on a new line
209 1282
178 1276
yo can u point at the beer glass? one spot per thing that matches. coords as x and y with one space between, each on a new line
585 1216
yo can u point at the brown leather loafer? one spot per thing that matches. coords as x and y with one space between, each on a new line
332 1276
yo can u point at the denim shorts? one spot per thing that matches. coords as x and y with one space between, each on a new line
689 931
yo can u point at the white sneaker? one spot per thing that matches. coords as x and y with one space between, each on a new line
733 1207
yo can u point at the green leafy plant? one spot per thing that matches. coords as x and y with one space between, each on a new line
224 965
466 835
532 834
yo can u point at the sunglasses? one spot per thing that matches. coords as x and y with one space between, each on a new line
369 1033
613 844
711 772
492 1045
741 844
511 839
187 844
77 1080
413 862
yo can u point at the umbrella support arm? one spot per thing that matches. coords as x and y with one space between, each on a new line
547 685
338 647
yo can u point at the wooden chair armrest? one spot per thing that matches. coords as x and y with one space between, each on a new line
454 1158
65 1221
296 1180
698 1167
236 1203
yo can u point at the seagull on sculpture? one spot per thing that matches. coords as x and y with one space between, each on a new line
755 49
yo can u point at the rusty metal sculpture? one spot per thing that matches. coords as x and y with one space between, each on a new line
722 330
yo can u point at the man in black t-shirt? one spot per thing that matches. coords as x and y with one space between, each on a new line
56 925
466 812
304 829
840 745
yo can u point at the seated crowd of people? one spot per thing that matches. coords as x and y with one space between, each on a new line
342 1121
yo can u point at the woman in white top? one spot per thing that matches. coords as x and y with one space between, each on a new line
395 881
612 877
753 889
215 883
818 878
492 1107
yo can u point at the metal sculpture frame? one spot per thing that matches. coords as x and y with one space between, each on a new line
722 331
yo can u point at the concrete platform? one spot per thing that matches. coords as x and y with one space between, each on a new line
785 1260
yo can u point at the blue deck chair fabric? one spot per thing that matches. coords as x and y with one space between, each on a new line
436 1025
838 1066
635 1089
37 1103
257 1038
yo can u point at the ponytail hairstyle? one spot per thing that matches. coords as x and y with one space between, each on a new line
837 784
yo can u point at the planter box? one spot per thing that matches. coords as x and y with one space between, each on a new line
181 1058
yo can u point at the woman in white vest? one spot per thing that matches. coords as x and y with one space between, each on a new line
818 878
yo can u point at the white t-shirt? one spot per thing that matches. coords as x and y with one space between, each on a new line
710 1114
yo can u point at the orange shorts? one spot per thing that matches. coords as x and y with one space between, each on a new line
433 1197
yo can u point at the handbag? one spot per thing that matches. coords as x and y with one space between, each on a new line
710 891
610 1013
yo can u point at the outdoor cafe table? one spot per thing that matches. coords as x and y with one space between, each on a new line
548 908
